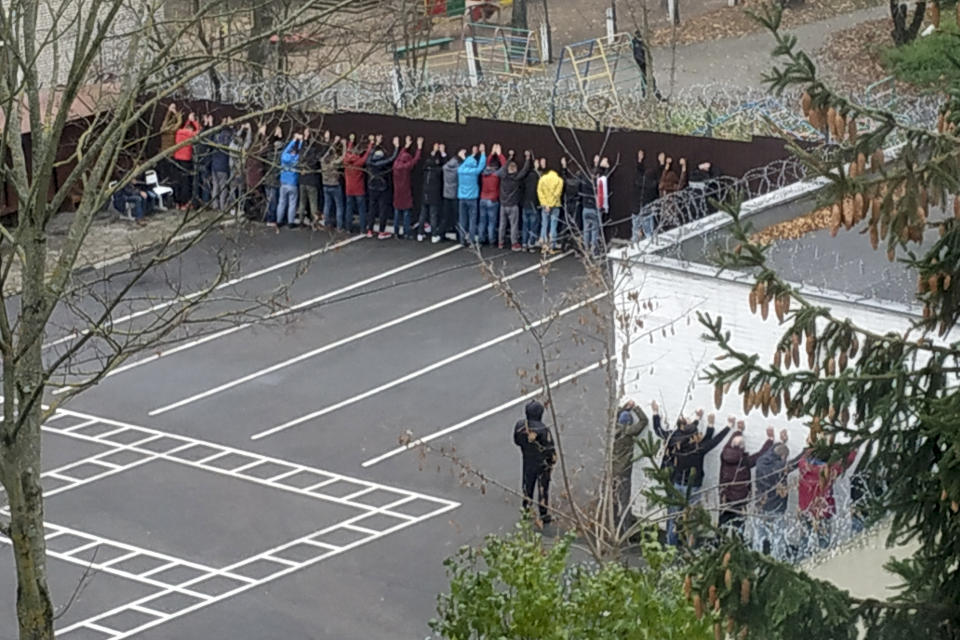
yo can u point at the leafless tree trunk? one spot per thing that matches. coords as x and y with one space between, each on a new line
48 66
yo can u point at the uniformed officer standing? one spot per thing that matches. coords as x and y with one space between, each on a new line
539 455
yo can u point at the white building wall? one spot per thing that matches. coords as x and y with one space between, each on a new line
667 369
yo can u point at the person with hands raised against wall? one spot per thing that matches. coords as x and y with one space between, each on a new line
490 196
736 477
402 187
550 192
430 209
468 191
378 183
511 196
354 178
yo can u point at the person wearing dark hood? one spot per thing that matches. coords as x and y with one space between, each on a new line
378 184
432 194
539 455
511 195
530 207
631 421
646 190
735 478
684 453
451 202
308 200
703 180
770 490
572 206
271 175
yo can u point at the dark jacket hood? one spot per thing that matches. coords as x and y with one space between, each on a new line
534 411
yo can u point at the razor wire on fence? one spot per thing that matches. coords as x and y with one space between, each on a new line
712 110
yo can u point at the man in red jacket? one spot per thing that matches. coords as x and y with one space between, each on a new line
353 177
402 188
490 196
183 156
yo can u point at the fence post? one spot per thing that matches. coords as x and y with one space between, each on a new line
544 42
611 26
456 106
396 86
471 62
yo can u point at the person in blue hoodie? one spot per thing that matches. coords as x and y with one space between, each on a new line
289 182
468 192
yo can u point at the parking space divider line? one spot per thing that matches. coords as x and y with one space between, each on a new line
223 285
349 339
273 315
425 370
413 444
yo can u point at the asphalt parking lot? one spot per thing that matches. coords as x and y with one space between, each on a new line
247 481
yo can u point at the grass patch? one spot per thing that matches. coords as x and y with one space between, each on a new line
924 61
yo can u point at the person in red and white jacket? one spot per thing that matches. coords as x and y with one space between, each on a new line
490 196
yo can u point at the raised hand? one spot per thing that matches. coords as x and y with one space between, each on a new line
654 406
172 107
527 154
326 136
419 142
443 147
683 163
336 139
483 148
784 436
699 413
770 433
640 155
351 137
396 141
563 162
473 150
605 163
407 141
662 157
379 138
741 425
711 419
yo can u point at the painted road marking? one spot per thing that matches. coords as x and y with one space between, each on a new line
190 296
423 371
486 414
280 560
349 339
276 314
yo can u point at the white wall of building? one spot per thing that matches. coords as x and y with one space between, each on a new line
667 369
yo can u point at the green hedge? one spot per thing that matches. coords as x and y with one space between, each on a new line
924 61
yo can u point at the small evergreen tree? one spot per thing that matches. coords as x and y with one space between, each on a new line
893 396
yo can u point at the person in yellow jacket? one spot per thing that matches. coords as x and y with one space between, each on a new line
550 192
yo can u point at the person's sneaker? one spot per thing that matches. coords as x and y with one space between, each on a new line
547 519
435 239
427 229
516 247
369 233
419 237
500 245
384 235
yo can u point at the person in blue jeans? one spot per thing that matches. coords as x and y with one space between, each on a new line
550 193
468 191
289 182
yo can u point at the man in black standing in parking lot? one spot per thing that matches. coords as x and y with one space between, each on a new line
539 455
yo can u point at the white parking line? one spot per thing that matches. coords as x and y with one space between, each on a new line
276 314
486 414
190 296
339 343
423 371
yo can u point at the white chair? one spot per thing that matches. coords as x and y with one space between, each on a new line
153 183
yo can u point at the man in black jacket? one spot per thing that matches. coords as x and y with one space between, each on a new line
646 189
539 455
432 194
511 194
530 207
380 184
684 453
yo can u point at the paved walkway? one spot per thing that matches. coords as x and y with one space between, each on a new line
741 62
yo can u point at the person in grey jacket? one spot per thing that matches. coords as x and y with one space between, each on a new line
450 203
631 421
511 194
